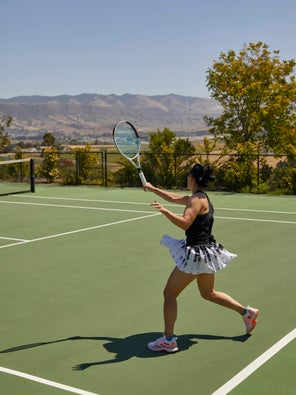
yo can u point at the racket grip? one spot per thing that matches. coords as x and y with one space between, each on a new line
143 179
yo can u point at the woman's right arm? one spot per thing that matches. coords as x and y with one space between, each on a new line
168 196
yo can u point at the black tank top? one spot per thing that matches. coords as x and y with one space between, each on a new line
200 232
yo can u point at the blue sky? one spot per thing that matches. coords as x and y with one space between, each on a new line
55 47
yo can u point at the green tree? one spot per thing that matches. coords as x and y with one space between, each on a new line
87 162
5 122
164 163
49 166
48 140
127 175
239 172
19 153
206 148
168 158
257 92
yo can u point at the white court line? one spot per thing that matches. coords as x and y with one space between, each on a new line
145 204
257 210
253 366
258 220
225 389
145 212
151 214
10 238
79 230
76 207
79 200
46 382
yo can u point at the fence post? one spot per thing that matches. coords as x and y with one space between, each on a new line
258 169
77 167
104 158
175 170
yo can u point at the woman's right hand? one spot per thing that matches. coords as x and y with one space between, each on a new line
148 187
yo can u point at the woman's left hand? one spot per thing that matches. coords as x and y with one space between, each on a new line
158 206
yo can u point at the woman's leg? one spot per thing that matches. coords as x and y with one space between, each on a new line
206 283
175 285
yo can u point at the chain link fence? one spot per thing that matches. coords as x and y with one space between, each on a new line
262 173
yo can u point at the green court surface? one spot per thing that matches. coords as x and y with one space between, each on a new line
82 274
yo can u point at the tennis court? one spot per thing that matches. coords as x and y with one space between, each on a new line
82 274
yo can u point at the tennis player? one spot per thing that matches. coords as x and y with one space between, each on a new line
198 257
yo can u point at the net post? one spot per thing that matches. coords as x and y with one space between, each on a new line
32 175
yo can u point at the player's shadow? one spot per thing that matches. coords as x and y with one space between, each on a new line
130 346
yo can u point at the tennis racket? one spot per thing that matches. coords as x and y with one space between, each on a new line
128 143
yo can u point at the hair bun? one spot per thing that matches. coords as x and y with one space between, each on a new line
202 174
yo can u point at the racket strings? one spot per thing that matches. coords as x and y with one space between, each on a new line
127 142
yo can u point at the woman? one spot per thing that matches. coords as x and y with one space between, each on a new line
197 258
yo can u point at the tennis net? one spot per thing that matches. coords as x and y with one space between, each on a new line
17 176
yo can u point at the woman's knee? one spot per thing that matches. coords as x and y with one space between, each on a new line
207 294
169 293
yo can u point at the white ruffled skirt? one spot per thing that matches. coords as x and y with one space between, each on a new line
204 258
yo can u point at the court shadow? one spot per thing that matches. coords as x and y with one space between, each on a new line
38 344
130 346
136 346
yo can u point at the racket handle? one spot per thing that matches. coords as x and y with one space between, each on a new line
143 179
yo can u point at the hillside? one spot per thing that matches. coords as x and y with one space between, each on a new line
95 115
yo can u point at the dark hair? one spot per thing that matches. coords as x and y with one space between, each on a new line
202 174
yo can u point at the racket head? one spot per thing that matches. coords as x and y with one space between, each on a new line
126 139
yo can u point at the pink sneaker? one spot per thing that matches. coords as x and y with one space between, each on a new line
250 318
162 344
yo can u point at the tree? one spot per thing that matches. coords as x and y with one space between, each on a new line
168 158
87 162
5 122
206 148
164 163
48 140
49 166
257 92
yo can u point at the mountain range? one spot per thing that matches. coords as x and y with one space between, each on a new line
95 115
